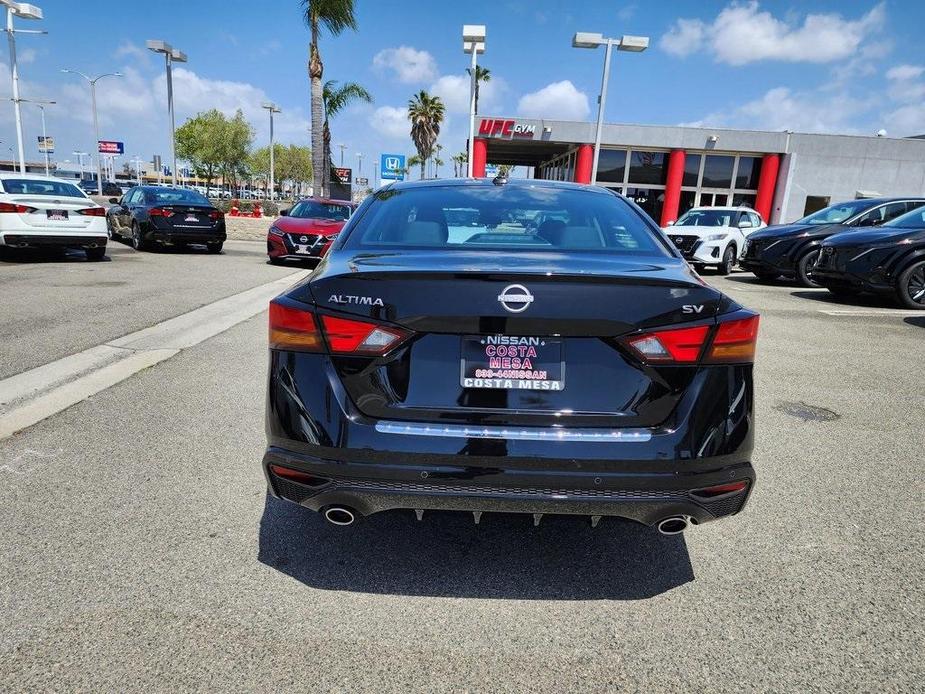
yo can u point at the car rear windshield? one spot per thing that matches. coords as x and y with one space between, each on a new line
914 219
834 214
312 209
175 195
29 186
509 217
706 218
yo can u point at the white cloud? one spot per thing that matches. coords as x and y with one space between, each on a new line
127 49
743 33
905 72
409 64
627 12
906 86
557 100
391 121
26 56
454 91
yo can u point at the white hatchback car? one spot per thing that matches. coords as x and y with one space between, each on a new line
714 236
47 212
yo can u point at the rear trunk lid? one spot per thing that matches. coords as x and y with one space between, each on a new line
186 217
52 212
562 314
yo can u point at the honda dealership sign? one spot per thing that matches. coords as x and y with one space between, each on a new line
392 167
111 147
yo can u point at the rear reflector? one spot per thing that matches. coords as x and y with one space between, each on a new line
297 330
678 345
10 207
734 342
293 329
297 476
720 489
93 212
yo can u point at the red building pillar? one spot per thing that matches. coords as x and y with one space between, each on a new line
584 158
767 181
673 180
479 157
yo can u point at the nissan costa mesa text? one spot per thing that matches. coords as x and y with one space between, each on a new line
449 352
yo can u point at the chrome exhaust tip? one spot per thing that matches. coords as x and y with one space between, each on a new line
339 515
673 525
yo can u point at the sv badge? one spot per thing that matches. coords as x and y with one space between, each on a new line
692 308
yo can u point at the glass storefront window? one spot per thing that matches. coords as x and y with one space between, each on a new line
610 165
743 199
648 167
748 173
687 201
717 171
650 200
691 169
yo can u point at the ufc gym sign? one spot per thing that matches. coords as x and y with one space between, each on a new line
499 127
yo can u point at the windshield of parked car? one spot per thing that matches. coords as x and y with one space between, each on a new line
312 209
706 218
168 196
529 219
834 214
29 186
914 219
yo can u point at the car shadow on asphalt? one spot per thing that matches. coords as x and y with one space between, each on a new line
447 555
31 256
918 321
751 279
862 300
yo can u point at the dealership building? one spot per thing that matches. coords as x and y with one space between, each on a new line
669 169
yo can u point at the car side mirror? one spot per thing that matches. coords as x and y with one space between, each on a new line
284 213
745 224
114 201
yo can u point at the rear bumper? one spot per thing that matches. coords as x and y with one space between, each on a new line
45 240
371 488
168 236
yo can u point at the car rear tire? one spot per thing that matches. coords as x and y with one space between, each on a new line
138 241
97 253
805 269
729 259
910 288
214 247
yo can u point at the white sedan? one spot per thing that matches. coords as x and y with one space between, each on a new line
714 236
47 212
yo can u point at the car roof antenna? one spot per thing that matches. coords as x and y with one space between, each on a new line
500 179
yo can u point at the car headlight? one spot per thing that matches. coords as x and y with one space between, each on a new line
714 237
276 231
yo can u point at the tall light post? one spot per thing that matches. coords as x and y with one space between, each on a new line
359 164
42 105
22 10
474 43
633 44
96 122
272 108
80 162
171 56
342 148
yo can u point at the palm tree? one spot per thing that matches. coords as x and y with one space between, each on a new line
336 99
426 115
482 74
459 163
334 16
415 160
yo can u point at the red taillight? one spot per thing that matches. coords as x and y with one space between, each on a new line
720 489
297 476
734 342
160 212
11 207
215 214
293 329
676 345
93 212
297 330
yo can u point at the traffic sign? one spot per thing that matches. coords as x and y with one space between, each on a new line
111 147
362 181
392 167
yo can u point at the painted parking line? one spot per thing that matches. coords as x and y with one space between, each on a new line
870 312
49 389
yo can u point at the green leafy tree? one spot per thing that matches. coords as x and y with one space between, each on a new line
482 74
415 160
336 99
199 142
426 114
237 135
459 163
333 16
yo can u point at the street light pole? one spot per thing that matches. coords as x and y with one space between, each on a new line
171 56
272 108
342 148
634 44
473 42
24 11
96 122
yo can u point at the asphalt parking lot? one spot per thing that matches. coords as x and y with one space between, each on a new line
139 548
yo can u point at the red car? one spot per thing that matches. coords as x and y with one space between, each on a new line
306 231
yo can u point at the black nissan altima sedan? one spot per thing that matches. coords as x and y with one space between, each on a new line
575 367
889 260
791 250
150 216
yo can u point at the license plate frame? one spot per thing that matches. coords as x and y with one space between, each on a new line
512 362
56 215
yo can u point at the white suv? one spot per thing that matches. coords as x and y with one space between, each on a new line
714 236
45 212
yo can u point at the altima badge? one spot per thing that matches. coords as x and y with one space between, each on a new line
515 298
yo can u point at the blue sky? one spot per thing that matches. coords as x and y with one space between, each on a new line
844 66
